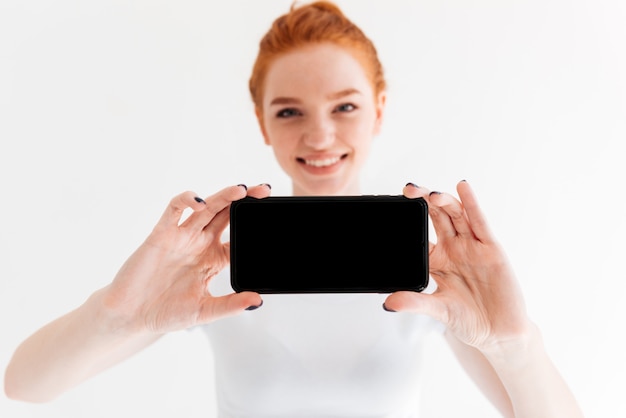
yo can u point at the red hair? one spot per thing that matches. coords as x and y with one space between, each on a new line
318 22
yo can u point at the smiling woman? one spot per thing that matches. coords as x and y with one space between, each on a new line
320 124
104 124
319 112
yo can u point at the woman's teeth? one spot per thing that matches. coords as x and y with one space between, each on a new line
322 163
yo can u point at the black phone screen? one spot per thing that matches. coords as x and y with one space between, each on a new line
329 244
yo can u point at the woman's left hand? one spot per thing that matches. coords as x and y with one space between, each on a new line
478 297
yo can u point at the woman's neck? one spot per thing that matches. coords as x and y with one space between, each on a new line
352 189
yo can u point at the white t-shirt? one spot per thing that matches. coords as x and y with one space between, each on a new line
328 355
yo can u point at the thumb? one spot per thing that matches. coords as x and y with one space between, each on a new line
228 305
420 303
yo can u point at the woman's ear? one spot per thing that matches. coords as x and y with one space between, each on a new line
259 117
381 101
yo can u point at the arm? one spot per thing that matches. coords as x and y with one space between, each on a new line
534 385
68 351
529 374
162 287
478 368
479 300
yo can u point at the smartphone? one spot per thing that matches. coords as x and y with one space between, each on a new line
336 244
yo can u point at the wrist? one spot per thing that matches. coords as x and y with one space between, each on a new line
111 317
517 351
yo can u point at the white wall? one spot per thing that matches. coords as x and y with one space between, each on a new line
108 109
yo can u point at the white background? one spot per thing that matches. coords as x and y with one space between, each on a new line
110 108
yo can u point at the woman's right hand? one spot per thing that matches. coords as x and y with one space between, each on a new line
163 286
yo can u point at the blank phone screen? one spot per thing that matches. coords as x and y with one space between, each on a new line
329 244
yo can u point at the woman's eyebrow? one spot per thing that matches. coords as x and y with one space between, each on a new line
343 93
332 96
284 101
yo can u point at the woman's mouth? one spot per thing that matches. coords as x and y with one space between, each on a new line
322 165
322 162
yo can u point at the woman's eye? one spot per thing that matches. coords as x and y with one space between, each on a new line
286 113
346 107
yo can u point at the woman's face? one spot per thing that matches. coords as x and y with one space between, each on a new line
320 116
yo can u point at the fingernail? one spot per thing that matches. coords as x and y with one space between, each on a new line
243 185
432 193
412 184
269 186
463 181
199 200
253 307
387 309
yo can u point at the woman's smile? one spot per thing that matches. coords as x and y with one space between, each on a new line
322 164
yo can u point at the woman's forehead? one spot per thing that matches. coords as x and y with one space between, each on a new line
322 69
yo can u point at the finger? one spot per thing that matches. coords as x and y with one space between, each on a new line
420 303
413 191
221 220
174 211
475 216
442 223
214 205
260 191
228 305
216 227
452 208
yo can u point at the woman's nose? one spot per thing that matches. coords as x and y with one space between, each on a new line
319 133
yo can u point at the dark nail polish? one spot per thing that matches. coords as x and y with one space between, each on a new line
269 186
412 184
199 200
253 307
243 185
432 193
387 309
